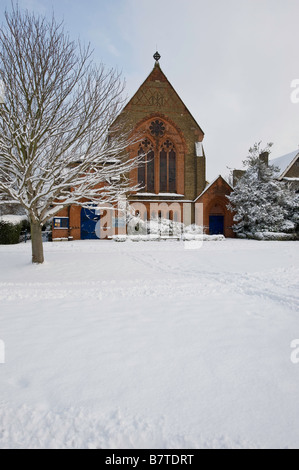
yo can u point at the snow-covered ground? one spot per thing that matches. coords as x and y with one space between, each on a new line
150 345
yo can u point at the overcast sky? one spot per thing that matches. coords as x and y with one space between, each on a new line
232 62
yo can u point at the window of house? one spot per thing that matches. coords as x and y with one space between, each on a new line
61 222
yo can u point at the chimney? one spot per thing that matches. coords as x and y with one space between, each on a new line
264 157
237 175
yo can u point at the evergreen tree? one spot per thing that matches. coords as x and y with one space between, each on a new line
260 202
290 203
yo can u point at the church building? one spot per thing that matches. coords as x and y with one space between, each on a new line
172 176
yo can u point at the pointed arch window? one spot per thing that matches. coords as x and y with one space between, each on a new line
146 168
167 167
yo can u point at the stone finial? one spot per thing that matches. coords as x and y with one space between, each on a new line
157 56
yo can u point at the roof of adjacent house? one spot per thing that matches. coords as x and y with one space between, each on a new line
285 162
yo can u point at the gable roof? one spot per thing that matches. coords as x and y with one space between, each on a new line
157 75
211 184
285 162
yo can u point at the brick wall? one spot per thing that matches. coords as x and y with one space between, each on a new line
293 171
156 98
215 202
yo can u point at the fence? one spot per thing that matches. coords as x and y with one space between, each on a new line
46 235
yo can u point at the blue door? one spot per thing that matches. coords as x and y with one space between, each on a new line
89 220
216 224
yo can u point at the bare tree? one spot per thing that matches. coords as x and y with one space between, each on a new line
58 144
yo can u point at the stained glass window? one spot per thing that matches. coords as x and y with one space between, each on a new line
150 172
146 168
167 168
141 168
163 171
167 164
172 171
157 128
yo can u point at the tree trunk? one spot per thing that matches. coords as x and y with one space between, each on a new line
37 243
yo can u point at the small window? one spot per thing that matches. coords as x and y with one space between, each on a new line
61 222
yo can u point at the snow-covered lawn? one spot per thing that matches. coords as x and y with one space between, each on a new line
150 345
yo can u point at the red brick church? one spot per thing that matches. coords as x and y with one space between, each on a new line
174 171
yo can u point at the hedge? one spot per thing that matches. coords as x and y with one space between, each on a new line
9 233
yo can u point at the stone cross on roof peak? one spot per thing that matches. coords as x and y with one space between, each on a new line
157 57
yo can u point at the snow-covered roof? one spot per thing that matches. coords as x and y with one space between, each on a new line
285 162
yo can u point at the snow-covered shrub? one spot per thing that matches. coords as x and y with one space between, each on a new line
119 238
165 228
162 229
202 237
136 226
193 229
288 226
145 238
192 232
273 236
157 227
